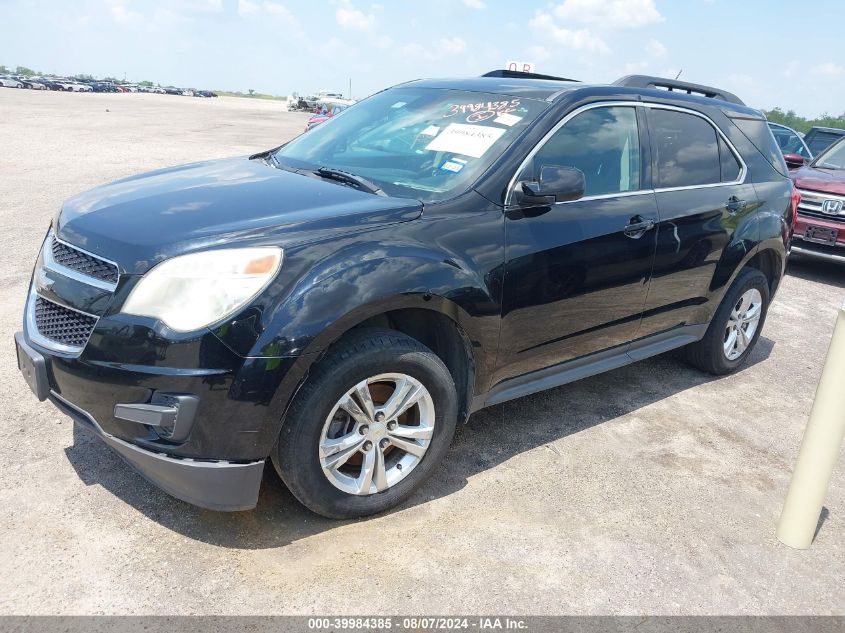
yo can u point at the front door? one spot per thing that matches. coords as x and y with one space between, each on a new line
576 273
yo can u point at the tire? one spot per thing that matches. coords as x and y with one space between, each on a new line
710 353
393 360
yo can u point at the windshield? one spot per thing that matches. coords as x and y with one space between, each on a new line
833 157
422 143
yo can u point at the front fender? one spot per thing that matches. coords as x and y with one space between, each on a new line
362 281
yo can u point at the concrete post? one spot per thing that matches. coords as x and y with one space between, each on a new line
819 448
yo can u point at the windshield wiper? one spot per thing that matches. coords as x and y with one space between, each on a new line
350 179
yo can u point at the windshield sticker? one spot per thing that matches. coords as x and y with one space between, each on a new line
431 130
454 165
481 115
507 119
496 107
468 140
399 104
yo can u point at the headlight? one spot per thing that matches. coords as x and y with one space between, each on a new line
192 291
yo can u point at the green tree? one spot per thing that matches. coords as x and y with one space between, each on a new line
3 69
23 70
801 124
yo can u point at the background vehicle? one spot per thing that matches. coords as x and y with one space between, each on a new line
328 108
819 138
32 84
792 146
8 82
820 226
441 247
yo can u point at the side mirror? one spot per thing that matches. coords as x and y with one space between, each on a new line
556 184
793 161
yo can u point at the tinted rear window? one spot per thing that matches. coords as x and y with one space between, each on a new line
687 149
758 132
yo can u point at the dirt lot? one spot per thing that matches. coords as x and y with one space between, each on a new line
653 489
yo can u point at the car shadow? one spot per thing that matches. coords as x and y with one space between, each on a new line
491 437
808 269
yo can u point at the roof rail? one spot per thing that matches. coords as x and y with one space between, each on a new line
516 74
673 85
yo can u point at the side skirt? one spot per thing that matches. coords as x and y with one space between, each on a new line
586 366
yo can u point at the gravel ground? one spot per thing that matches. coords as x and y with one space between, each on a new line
653 489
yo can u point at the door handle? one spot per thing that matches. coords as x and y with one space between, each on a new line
735 205
638 227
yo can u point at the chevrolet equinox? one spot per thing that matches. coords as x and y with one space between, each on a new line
340 304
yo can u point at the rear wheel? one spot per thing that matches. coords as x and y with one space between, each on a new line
373 420
735 327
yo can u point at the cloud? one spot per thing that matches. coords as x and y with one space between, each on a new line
475 4
635 68
199 6
827 70
270 11
576 39
610 14
351 19
247 7
450 46
538 53
655 48
383 41
124 16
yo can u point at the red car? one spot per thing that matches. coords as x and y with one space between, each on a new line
820 225
324 115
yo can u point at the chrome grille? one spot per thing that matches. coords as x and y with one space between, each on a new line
812 201
82 262
61 324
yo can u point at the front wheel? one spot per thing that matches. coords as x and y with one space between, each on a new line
373 420
735 327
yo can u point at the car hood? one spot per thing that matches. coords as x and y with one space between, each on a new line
823 180
141 220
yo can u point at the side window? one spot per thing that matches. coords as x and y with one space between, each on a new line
686 148
603 143
730 165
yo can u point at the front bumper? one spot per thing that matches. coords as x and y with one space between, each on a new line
214 484
828 252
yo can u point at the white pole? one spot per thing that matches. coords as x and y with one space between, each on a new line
819 448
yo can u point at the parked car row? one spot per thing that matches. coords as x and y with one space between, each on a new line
90 85
43 83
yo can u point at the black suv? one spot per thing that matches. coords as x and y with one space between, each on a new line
341 303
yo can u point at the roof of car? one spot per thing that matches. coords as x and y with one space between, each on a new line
529 88
835 130
553 89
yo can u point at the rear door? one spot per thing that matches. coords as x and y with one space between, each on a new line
702 198
577 272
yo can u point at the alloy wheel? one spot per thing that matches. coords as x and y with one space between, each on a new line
376 434
743 323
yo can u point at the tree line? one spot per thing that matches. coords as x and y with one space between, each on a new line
802 124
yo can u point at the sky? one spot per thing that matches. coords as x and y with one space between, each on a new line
770 53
